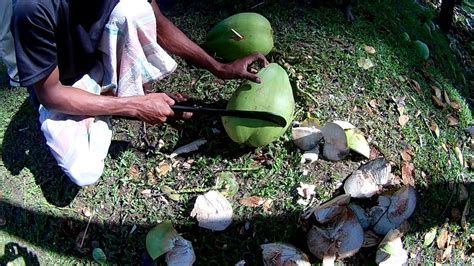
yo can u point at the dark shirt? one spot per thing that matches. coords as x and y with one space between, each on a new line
58 33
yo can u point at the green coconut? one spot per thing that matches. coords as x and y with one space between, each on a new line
357 142
240 35
422 49
274 95
405 37
161 239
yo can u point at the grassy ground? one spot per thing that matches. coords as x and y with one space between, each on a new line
43 215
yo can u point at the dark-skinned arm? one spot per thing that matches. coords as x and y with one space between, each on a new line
152 108
176 42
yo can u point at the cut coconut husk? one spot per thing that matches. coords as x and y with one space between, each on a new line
329 210
310 156
402 204
335 142
371 239
182 254
357 142
362 217
343 238
212 211
161 239
391 251
345 125
366 181
276 254
306 138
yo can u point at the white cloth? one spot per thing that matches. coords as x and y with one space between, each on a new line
131 58
7 46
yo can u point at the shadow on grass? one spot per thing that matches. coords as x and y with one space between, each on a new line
24 146
241 241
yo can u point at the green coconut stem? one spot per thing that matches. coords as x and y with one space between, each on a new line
237 34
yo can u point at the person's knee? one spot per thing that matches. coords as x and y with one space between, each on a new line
131 10
84 172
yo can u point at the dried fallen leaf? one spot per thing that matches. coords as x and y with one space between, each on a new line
400 102
434 127
365 63
415 86
252 202
146 192
452 121
430 236
212 211
447 253
442 238
373 103
163 168
267 205
306 190
369 49
407 154
455 105
459 155
437 93
437 102
403 120
408 170
134 173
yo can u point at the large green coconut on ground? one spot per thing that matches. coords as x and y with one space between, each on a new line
274 95
240 35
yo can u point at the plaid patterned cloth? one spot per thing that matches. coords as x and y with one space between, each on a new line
131 59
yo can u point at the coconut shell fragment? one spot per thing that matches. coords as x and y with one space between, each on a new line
391 251
367 180
306 138
335 142
329 210
213 211
402 205
182 254
277 254
342 238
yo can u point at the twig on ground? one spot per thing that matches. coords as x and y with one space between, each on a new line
87 228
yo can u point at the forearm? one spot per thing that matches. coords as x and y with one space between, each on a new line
74 101
176 42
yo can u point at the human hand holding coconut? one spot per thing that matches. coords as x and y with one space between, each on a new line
240 68
176 42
